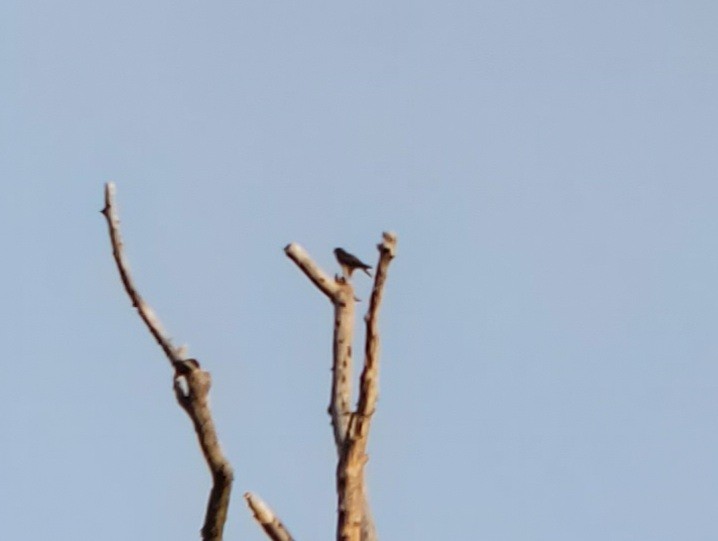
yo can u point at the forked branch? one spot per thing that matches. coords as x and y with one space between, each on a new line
351 428
191 385
351 484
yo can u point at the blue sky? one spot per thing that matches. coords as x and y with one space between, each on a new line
549 329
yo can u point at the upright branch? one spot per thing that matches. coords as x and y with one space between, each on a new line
368 390
191 385
351 428
351 486
341 294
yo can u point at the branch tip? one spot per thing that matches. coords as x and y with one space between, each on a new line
305 263
271 524
388 243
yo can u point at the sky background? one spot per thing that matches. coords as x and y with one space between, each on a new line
550 354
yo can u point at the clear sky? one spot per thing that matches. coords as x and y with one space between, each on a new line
550 354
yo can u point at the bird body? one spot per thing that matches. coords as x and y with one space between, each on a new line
350 263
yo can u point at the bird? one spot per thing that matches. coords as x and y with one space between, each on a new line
350 262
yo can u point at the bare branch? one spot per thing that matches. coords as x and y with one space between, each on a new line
341 294
354 522
191 386
271 524
369 386
325 284
144 310
340 402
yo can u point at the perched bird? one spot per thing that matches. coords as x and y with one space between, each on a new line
350 262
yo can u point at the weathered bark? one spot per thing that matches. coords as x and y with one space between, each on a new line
191 385
271 524
341 294
351 488
351 428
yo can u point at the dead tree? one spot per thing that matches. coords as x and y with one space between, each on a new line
350 426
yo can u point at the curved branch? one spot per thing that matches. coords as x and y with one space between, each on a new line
191 385
143 309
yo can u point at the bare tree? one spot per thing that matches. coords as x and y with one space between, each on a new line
350 426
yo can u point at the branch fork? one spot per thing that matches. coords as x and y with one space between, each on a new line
351 427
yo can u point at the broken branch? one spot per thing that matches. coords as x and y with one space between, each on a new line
271 524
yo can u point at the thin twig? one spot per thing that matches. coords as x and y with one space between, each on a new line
191 386
143 309
271 524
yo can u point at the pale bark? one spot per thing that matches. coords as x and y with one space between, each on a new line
191 385
351 428
143 309
340 403
351 487
271 524
341 294
320 278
